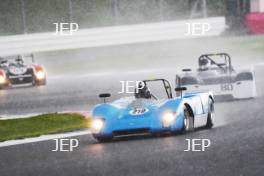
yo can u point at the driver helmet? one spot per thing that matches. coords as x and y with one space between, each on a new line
204 64
19 60
142 91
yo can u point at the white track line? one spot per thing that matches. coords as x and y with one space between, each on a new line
44 138
7 117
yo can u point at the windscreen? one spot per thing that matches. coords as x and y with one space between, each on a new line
157 89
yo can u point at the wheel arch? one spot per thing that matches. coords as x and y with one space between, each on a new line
212 98
189 108
213 101
191 113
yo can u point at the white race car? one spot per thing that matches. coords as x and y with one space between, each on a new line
219 77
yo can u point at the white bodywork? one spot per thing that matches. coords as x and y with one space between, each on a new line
237 89
200 105
245 89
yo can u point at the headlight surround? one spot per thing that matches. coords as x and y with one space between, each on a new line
168 118
97 125
40 75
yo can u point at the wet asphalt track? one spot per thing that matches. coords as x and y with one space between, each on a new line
70 93
237 140
80 93
76 77
237 148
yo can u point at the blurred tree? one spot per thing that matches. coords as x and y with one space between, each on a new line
10 17
42 14
27 16
235 12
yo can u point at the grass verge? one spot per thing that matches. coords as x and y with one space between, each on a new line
254 43
40 125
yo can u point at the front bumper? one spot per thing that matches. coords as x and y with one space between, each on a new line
132 132
138 129
21 79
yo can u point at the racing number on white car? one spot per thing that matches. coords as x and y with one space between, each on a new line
226 87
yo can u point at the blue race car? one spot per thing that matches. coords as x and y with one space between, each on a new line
145 113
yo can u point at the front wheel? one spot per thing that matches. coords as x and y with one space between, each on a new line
5 86
39 82
103 139
2 87
188 122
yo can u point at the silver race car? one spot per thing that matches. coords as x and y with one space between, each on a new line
220 77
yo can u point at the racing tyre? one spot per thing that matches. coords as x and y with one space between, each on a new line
209 122
188 122
39 83
104 139
3 87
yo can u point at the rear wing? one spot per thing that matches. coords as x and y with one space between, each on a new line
14 57
30 56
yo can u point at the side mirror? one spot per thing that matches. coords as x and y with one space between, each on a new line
3 62
186 70
178 89
104 96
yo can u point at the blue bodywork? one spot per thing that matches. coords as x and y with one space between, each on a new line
130 114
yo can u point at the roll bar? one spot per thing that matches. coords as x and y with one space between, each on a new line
166 84
226 56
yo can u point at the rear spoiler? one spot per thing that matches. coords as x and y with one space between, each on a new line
11 57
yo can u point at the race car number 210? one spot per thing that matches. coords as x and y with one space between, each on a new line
138 111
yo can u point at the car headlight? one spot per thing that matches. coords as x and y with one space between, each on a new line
2 79
168 118
97 125
40 75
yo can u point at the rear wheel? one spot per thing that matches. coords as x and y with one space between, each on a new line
209 123
188 121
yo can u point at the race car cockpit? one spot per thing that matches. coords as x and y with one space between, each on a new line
206 63
19 60
142 91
